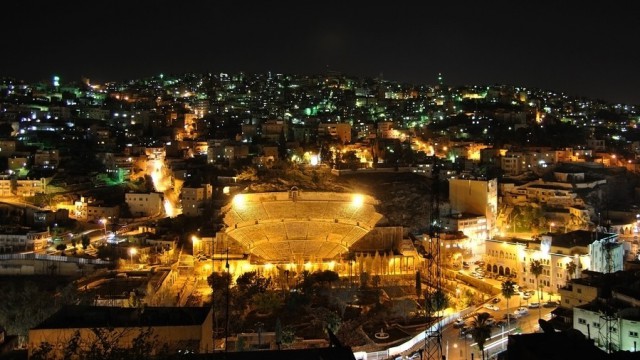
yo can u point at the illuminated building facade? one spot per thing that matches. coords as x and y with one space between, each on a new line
585 249
476 197
144 204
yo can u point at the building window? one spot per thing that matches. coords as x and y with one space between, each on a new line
579 291
633 334
582 321
596 325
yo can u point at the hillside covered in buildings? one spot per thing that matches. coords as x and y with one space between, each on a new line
311 201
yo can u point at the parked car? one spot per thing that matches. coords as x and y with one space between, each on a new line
534 305
550 304
521 311
459 323
491 307
501 323
511 317
495 300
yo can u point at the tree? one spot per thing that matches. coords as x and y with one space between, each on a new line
508 291
266 302
481 330
288 335
326 277
364 279
105 344
418 285
252 283
220 283
536 269
85 241
24 305
437 301
375 280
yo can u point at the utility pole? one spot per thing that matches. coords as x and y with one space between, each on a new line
433 334
226 326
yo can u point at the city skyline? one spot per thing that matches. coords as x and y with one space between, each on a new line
580 51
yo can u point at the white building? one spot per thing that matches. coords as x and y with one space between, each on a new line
555 253
144 204
615 328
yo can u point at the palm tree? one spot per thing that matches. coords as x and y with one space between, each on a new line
536 269
508 291
480 330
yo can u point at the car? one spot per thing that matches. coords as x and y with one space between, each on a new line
491 307
521 311
465 330
511 317
526 296
459 323
550 304
495 300
534 305
465 265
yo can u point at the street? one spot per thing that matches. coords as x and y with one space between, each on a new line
458 347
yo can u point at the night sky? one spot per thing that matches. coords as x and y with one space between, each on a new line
567 46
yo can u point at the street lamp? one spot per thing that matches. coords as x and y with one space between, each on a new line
551 225
259 325
103 221
194 240
132 252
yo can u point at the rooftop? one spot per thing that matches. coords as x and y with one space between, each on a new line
78 316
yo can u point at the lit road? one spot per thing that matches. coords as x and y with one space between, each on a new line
459 347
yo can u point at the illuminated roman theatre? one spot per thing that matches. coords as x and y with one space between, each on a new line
297 230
